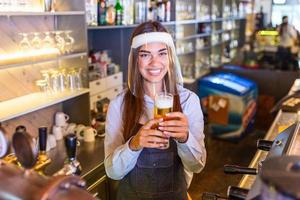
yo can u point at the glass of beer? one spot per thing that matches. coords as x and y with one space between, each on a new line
163 104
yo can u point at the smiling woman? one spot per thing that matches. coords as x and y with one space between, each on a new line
153 64
154 158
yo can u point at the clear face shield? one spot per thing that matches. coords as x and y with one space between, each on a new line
173 75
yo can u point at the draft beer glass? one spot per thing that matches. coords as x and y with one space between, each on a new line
163 104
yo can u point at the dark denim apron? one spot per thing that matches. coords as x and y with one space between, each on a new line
158 174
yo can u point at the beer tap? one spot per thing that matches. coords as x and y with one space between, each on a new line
212 196
264 145
235 169
237 193
72 165
11 157
43 159
233 193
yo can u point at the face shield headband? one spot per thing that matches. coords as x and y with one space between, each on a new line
151 37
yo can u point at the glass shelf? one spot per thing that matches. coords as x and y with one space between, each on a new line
32 102
122 26
59 57
180 22
58 13
203 48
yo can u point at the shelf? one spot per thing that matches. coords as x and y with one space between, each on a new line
216 44
182 22
184 54
59 13
219 31
200 35
60 57
179 22
123 26
194 36
33 102
203 49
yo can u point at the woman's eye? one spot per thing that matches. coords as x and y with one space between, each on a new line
144 55
163 53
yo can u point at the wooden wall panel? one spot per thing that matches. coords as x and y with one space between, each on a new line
32 121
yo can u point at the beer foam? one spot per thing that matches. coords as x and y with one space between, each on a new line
164 103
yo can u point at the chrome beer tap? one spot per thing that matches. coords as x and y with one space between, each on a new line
72 165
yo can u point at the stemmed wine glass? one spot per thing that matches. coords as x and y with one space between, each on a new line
69 41
60 42
48 40
36 41
24 43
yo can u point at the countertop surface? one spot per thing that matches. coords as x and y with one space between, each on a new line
282 121
89 154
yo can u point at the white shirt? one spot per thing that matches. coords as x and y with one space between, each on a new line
120 159
288 37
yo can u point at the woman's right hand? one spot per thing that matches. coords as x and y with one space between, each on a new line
148 137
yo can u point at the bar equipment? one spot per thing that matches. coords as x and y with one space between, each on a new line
72 165
32 185
43 160
277 175
3 143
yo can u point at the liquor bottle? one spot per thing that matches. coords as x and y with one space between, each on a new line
168 11
110 15
128 11
140 11
91 12
160 11
102 12
119 13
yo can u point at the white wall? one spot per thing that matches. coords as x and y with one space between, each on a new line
267 8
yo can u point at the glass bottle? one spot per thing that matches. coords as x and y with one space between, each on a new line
128 12
102 12
110 15
119 13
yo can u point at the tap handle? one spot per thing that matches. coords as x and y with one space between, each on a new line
235 169
43 138
71 143
237 193
212 196
20 128
264 145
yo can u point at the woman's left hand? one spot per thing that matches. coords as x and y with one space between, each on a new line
175 125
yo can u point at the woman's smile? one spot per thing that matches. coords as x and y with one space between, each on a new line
154 72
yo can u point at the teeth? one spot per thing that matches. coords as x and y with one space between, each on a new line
154 71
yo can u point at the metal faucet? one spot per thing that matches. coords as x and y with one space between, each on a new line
72 165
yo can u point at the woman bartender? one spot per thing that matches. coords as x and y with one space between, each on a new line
135 152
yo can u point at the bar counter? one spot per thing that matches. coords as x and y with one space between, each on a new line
91 157
282 120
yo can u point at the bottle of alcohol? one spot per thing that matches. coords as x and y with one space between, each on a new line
110 15
119 13
168 11
160 11
128 12
102 12
140 11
